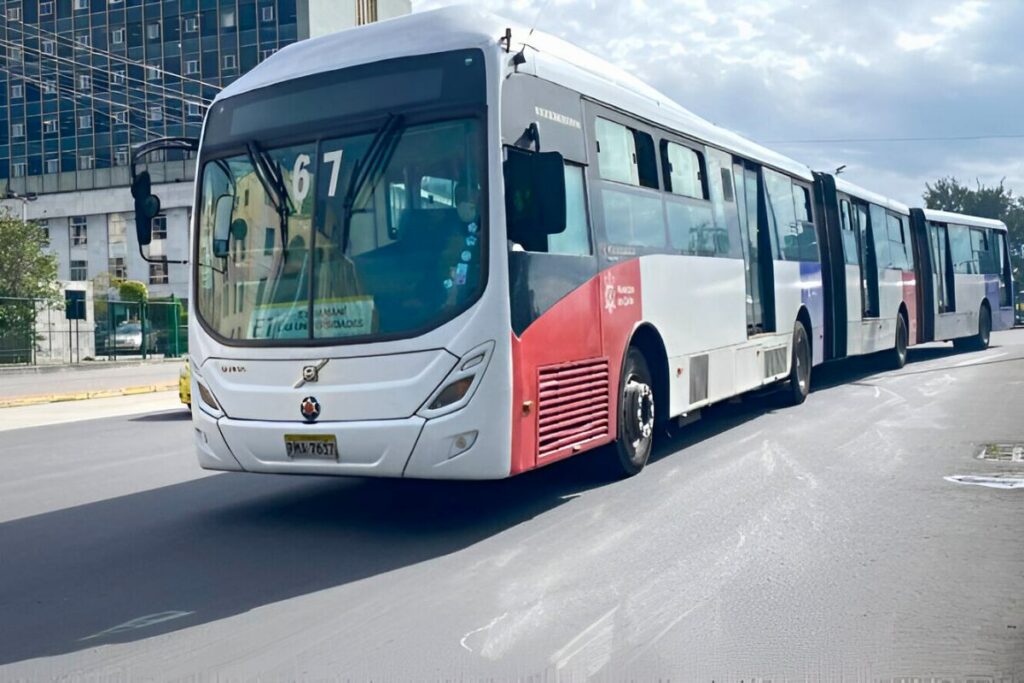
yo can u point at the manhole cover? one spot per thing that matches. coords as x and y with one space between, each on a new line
1006 452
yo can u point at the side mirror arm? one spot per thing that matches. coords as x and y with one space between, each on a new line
140 152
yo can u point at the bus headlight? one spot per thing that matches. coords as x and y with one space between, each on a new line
207 400
458 387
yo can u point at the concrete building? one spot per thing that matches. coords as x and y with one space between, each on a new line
82 81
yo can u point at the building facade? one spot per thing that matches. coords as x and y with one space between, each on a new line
82 81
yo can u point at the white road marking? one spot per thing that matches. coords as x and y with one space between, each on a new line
495 620
564 655
983 359
140 622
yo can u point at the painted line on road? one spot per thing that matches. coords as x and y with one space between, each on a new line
983 359
22 401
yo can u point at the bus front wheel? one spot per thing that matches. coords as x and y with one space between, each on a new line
635 428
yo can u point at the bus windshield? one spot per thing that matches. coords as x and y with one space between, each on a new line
370 235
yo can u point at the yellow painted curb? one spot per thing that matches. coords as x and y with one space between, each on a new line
84 395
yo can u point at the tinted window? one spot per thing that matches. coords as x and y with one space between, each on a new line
683 170
897 246
960 250
790 205
848 223
616 157
625 155
692 230
634 219
880 235
575 240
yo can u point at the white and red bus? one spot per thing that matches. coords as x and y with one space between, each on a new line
424 249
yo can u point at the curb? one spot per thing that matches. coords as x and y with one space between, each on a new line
85 395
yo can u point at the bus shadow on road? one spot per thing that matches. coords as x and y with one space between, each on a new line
150 563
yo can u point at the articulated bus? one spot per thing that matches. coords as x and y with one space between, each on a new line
437 247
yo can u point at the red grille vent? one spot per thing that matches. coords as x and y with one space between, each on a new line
572 405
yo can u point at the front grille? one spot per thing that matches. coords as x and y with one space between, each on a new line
572 405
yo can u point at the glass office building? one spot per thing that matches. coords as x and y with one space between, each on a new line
83 81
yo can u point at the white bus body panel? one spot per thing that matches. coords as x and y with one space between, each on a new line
969 292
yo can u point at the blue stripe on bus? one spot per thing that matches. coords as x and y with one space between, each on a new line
813 297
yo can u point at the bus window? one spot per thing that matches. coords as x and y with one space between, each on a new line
616 153
806 239
983 255
692 229
575 239
849 234
960 250
625 155
684 170
897 247
633 218
880 235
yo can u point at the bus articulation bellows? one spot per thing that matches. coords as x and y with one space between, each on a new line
423 248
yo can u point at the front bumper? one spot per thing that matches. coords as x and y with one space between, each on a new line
412 447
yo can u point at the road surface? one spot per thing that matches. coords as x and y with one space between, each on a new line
761 543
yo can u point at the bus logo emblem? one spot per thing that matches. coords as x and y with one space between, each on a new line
310 409
609 293
311 373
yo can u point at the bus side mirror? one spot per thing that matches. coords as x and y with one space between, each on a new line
222 225
147 207
534 195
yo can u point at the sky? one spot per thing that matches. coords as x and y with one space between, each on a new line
784 72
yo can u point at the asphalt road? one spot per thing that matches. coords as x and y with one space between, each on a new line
762 542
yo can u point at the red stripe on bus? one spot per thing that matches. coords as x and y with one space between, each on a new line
910 299
586 332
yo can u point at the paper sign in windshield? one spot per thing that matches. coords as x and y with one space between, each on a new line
348 317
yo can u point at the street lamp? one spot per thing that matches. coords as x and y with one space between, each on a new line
25 199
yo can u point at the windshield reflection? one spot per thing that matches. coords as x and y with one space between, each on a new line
381 238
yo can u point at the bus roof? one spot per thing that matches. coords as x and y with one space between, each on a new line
962 219
556 60
849 188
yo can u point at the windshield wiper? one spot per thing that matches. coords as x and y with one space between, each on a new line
273 184
369 168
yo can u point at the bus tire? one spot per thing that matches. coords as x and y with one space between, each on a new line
896 357
799 383
635 429
981 341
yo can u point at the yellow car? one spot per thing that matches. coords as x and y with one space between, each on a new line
185 384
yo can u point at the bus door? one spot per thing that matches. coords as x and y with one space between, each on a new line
942 269
853 273
868 261
757 248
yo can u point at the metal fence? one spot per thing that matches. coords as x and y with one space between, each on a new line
37 332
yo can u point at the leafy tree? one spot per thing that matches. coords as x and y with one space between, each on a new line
133 290
996 201
28 280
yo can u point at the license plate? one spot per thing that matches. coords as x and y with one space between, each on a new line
312 446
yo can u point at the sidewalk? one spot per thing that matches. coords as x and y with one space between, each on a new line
27 386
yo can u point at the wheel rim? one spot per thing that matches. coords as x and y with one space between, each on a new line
986 327
638 414
901 342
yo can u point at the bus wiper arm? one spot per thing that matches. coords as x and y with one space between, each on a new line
271 179
378 154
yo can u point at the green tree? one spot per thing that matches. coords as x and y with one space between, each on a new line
132 290
28 280
995 201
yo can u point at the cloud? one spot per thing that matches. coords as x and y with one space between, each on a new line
792 70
